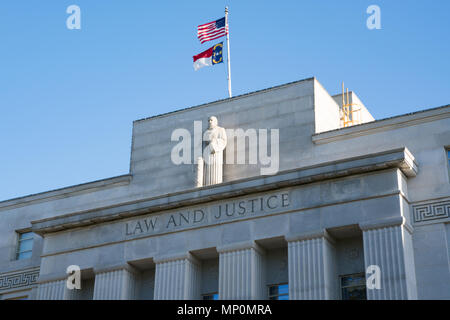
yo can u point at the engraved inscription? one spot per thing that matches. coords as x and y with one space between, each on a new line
208 215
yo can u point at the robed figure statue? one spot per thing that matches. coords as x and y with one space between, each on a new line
215 141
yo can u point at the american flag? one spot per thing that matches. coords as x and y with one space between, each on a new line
212 30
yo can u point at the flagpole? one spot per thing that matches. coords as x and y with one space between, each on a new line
228 55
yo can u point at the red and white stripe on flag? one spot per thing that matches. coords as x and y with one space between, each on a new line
212 30
203 59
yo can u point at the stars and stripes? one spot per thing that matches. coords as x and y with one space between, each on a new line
212 30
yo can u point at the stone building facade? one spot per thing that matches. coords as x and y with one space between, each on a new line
344 205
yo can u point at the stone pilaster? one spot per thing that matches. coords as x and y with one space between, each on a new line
311 272
241 272
388 245
52 290
115 284
177 278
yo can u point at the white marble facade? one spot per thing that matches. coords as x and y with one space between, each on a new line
343 199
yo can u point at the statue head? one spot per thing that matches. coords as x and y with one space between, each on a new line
212 122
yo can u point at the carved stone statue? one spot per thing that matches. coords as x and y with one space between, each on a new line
215 139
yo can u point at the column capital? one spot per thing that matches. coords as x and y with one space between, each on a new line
174 257
243 245
385 223
118 267
310 235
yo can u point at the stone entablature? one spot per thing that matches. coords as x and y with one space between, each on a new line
398 158
355 196
142 228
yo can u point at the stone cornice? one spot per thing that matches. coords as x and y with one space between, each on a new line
66 192
397 158
382 125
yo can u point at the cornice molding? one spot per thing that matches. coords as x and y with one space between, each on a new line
382 125
66 192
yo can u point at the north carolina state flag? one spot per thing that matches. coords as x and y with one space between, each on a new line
209 57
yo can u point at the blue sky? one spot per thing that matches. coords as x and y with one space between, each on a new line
68 97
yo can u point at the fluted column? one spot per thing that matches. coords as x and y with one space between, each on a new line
177 278
117 284
52 290
311 272
72 294
390 248
241 272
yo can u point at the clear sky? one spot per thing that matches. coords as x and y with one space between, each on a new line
68 97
